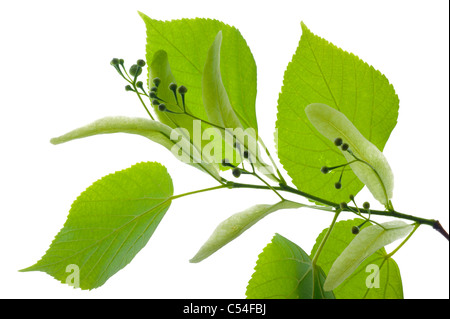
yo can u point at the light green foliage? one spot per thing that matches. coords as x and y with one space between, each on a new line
113 219
355 285
108 224
187 42
322 73
236 224
375 173
285 271
153 130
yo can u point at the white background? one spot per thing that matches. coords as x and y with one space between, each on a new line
55 76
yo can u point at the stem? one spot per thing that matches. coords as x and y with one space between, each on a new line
282 180
430 222
199 191
403 242
324 240
140 99
262 180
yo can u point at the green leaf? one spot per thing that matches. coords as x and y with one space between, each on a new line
355 286
172 139
187 42
323 73
215 97
236 224
285 271
372 168
108 224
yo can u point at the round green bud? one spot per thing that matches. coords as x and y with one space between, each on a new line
128 88
162 107
324 169
182 89
115 61
141 63
355 230
236 172
351 197
366 205
338 185
140 85
135 70
156 81
155 102
344 147
153 89
338 141
121 61
173 86
152 95
343 205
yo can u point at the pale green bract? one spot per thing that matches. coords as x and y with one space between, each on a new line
379 264
160 133
192 129
236 224
220 111
215 97
377 176
368 241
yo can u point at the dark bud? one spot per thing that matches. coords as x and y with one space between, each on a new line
155 102
141 63
338 185
355 230
225 162
115 62
153 89
140 85
324 169
162 107
245 153
351 197
135 70
343 205
156 81
173 87
344 147
338 141
236 172
128 88
182 89
366 205
152 95
121 61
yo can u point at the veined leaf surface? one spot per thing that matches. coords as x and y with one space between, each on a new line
285 271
